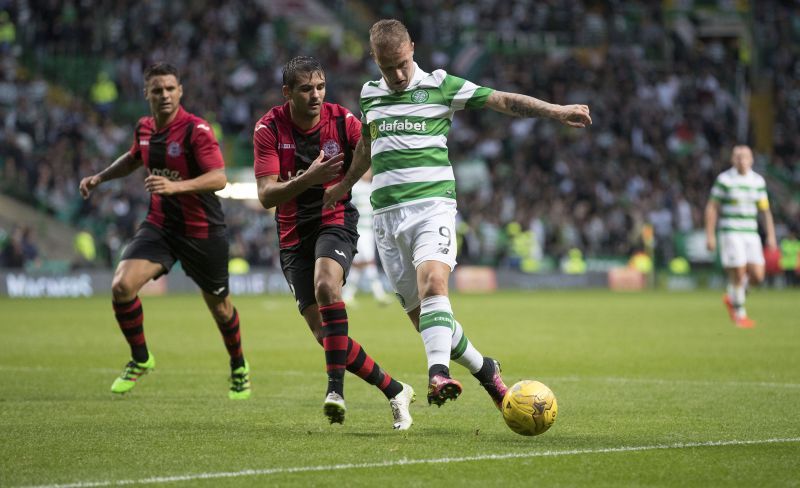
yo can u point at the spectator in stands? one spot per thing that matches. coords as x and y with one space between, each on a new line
622 173
20 249
12 255
85 250
8 32
104 93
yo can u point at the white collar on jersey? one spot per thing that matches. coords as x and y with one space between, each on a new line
418 76
735 172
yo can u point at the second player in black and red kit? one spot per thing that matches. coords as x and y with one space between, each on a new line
184 223
302 147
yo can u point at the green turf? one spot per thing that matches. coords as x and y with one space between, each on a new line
636 376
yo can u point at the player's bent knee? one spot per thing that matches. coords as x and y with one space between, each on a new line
434 285
737 275
222 312
327 292
123 290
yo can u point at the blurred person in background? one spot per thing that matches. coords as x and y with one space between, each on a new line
738 195
104 93
20 249
364 263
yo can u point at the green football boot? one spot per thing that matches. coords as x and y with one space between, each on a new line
131 374
240 383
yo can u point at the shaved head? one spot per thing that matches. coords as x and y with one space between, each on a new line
388 35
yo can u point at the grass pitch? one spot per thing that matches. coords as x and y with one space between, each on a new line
654 389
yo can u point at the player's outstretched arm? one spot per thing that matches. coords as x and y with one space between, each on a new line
711 225
207 182
273 192
518 105
362 158
121 167
769 225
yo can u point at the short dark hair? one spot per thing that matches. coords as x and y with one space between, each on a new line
297 65
161 69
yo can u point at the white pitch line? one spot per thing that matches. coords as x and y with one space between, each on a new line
411 462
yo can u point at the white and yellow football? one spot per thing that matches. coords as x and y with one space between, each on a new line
529 407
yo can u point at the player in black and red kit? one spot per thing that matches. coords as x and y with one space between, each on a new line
301 148
185 222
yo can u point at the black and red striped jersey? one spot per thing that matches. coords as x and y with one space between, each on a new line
184 149
281 148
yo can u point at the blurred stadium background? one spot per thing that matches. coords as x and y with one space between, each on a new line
672 85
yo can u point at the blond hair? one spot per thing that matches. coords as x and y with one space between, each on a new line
388 34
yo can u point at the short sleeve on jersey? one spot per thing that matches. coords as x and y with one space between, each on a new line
480 97
763 199
136 150
461 93
265 151
354 129
206 148
717 191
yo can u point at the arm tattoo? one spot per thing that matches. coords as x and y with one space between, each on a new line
527 106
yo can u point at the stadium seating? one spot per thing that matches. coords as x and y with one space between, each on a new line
663 86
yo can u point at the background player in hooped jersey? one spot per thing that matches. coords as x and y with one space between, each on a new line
737 196
300 148
407 115
185 222
364 263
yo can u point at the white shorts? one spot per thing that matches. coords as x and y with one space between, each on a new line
737 249
366 247
410 235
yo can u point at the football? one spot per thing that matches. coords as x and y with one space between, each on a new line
529 408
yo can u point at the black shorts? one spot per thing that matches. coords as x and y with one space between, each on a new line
205 261
297 262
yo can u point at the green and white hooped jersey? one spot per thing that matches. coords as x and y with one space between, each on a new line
409 136
740 198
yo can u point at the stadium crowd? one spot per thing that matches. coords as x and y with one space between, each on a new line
664 102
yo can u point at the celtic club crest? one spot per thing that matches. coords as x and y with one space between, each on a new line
419 96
